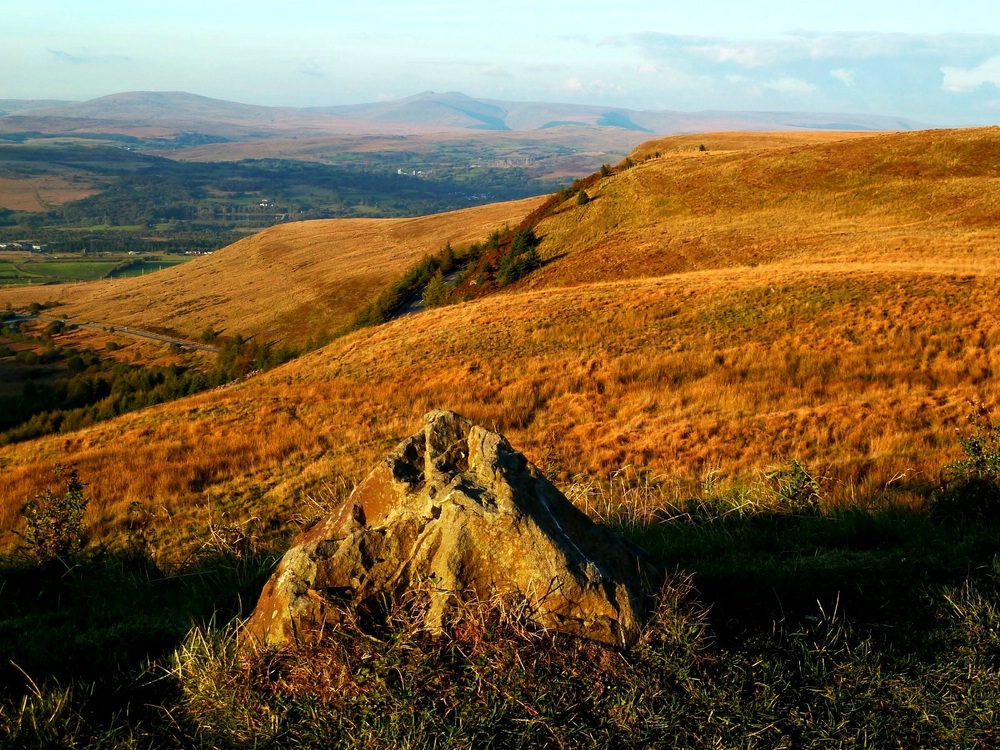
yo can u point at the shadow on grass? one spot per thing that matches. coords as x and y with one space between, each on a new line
859 628
878 569
104 619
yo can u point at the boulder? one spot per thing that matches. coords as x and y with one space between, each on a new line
455 514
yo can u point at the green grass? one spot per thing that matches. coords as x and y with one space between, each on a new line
71 270
147 266
42 271
61 270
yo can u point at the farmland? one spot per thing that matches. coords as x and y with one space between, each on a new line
32 269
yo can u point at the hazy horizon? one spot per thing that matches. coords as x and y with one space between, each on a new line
938 65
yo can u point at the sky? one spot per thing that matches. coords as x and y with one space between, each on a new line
933 62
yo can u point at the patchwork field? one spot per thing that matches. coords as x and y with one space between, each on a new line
40 193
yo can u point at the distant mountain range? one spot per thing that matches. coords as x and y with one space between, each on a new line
162 114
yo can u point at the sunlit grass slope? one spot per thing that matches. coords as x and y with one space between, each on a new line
288 283
928 197
837 305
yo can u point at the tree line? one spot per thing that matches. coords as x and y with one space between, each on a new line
91 388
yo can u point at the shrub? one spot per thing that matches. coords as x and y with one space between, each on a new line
971 485
795 488
436 291
582 199
54 522
28 357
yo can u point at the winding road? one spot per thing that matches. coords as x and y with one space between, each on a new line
121 329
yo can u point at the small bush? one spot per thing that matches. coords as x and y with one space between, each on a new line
582 199
28 357
54 522
971 485
436 292
795 488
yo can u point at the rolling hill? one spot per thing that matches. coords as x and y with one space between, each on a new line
707 316
285 284
170 114
457 110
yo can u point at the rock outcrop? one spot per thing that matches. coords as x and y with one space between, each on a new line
455 513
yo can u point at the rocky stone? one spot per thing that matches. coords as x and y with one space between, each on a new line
454 514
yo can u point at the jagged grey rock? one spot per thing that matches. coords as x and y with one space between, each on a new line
455 513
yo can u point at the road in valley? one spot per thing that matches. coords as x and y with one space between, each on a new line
121 329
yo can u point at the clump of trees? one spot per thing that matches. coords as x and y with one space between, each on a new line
392 299
520 259
95 389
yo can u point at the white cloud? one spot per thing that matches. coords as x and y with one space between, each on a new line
843 75
747 56
596 87
907 75
790 86
964 80
811 46
647 69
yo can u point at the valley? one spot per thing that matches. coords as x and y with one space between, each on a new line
762 356
695 309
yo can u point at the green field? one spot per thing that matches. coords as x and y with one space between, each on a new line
44 271
147 266
17 271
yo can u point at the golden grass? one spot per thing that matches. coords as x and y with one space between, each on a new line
802 329
863 377
286 283
899 198
740 141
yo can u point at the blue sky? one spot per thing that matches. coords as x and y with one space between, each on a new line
937 63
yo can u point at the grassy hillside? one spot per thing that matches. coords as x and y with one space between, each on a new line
714 313
899 199
755 360
288 283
